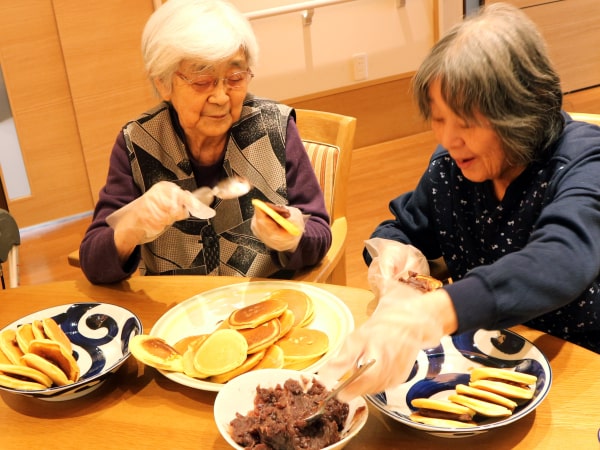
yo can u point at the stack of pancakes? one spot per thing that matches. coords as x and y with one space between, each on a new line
491 393
36 356
271 333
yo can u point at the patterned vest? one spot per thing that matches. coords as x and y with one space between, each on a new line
223 245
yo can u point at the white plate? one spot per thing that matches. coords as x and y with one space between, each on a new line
202 314
438 371
100 334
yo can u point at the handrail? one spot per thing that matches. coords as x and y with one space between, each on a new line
307 7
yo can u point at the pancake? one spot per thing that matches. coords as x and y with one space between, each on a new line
298 302
273 358
278 218
299 364
51 370
442 423
303 343
503 388
262 336
250 362
286 322
182 345
256 314
54 332
493 373
10 347
155 352
482 407
38 329
22 385
23 373
4 359
442 409
222 351
189 354
56 354
508 383
484 395
24 335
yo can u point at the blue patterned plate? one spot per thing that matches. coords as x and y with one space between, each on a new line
437 371
100 335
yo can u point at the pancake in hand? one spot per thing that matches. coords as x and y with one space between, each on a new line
256 314
270 210
22 377
155 352
442 413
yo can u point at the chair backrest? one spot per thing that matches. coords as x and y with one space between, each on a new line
10 239
329 140
586 117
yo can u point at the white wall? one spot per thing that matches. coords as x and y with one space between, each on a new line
297 60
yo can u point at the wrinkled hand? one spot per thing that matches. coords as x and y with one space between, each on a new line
145 218
392 261
272 234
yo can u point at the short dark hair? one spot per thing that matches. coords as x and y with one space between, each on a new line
495 63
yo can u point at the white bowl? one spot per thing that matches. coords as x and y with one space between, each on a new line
100 335
239 393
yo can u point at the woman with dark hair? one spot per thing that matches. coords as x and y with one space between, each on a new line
510 200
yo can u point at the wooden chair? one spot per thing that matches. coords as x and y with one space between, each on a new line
10 239
329 141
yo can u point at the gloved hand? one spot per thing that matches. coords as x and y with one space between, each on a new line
391 262
145 218
273 235
393 336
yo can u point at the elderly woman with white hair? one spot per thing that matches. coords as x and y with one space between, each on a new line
199 56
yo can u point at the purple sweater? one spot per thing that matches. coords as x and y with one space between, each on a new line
98 253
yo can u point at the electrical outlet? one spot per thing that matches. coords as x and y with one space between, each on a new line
360 66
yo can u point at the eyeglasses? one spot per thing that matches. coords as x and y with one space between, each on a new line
206 83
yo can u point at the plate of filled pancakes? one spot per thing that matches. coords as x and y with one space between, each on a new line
66 351
470 384
205 341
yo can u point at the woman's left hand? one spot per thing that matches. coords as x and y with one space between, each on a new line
272 234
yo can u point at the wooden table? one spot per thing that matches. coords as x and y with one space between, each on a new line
138 408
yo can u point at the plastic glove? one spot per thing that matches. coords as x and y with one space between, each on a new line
145 218
273 235
391 262
393 336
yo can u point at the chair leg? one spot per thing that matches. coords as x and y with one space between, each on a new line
13 267
338 275
2 277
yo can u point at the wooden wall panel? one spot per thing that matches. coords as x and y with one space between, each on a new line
39 96
101 46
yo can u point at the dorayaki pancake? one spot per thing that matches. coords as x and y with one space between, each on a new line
51 370
277 217
299 364
256 314
38 329
442 409
22 385
24 335
482 407
57 354
273 358
182 345
286 322
262 336
248 364
508 383
188 357
3 358
504 388
54 332
493 373
423 283
487 396
442 423
155 352
298 302
10 347
303 343
222 351
22 372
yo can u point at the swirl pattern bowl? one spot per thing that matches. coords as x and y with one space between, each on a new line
100 335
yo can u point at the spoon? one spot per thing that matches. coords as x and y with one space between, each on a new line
357 371
226 189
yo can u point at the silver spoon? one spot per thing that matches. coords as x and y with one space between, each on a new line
357 371
226 189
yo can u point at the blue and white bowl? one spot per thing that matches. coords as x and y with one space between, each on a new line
100 334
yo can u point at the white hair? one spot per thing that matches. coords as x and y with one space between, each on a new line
206 31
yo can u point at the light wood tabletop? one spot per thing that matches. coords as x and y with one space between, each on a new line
138 408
